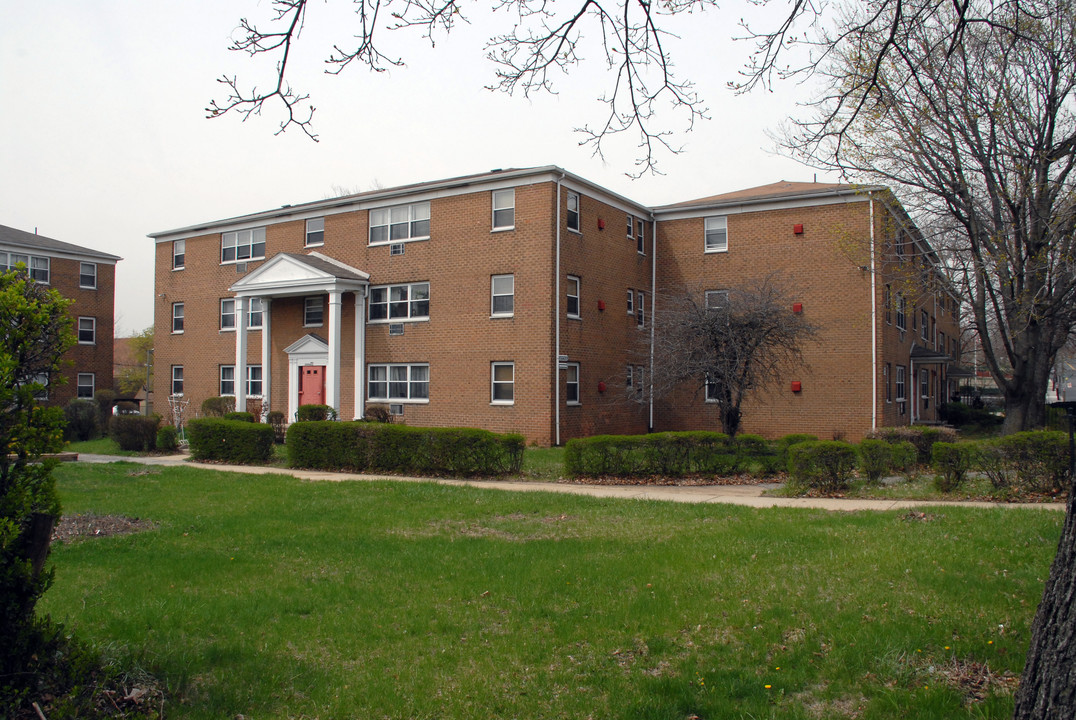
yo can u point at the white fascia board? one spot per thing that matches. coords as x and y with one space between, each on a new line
103 259
740 207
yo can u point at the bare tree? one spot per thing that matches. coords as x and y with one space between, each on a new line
979 137
727 344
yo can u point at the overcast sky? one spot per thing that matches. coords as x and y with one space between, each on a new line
103 135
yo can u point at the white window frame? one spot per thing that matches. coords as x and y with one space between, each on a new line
392 300
226 375
640 237
227 316
640 309
569 382
717 300
253 313
716 234
902 312
570 281
631 301
901 384
924 383
494 383
888 384
572 216
177 318
416 380
40 268
177 377
416 224
629 375
503 203
82 266
494 294
80 386
179 254
631 226
315 232
924 332
887 304
242 246
91 322
254 381
710 391
308 310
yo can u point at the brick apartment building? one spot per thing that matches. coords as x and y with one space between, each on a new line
87 277
515 300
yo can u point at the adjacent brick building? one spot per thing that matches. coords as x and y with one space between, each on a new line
88 278
517 301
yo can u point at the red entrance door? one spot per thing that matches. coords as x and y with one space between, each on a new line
312 385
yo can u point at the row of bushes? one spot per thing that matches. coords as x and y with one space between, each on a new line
232 440
361 445
1027 462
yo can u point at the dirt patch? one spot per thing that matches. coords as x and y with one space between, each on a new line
976 680
689 481
88 525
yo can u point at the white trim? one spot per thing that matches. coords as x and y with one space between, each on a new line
493 382
493 313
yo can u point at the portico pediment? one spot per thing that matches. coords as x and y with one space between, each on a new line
308 344
287 274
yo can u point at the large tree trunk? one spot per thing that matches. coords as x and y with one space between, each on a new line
1048 687
1025 392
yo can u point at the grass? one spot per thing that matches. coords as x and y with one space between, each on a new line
545 464
274 598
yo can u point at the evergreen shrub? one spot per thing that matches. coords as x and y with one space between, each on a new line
136 433
232 441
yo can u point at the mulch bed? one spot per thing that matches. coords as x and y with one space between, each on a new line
689 481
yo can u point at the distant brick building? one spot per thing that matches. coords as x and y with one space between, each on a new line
87 277
512 300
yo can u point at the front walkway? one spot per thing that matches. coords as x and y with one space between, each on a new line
747 495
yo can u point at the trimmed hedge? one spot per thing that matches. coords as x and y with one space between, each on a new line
667 454
1035 461
240 415
233 441
81 416
314 413
135 432
167 438
825 465
218 406
359 446
875 459
922 437
951 462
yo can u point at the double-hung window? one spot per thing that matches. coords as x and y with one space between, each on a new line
571 387
85 386
87 275
242 245
572 286
631 227
573 211
504 209
902 312
503 291
177 379
924 330
315 232
401 223
314 311
399 382
503 383
640 308
712 394
227 314
885 381
900 383
630 377
887 303
36 267
179 254
631 301
717 235
639 379
227 380
39 269
177 317
640 238
717 300
397 303
254 313
254 380
87 331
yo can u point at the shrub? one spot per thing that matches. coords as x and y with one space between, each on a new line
167 438
308 413
136 433
81 417
105 399
218 406
1034 461
951 462
669 454
364 445
922 437
993 461
903 456
240 416
965 416
752 450
824 465
233 441
275 418
377 413
875 459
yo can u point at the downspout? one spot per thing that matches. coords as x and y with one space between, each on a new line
653 315
874 326
556 326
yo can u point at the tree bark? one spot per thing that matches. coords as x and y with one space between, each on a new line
1048 686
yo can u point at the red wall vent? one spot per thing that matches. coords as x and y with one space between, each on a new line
797 229
601 387
797 386
797 307
601 224
601 305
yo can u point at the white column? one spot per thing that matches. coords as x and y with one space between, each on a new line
240 354
332 372
266 357
360 353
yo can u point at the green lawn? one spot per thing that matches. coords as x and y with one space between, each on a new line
274 598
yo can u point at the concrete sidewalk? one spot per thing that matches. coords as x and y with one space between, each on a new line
747 495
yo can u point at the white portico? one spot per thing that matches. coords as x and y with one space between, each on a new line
293 275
